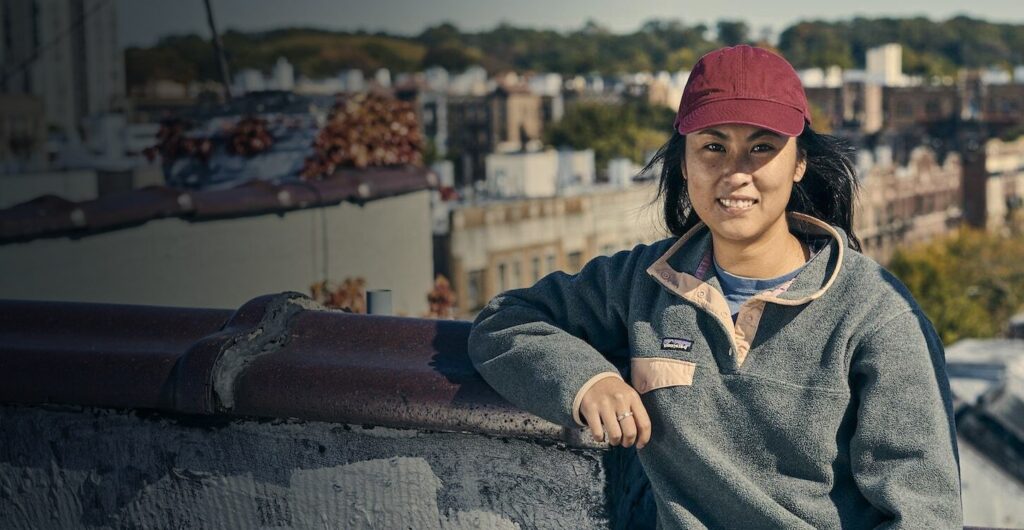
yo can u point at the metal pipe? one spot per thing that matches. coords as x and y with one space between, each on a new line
378 302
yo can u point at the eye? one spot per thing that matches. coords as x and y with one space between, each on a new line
716 147
763 148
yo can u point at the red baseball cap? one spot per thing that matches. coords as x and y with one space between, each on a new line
743 84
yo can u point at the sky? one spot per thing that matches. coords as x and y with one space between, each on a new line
142 22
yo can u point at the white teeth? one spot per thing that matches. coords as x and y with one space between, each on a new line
736 203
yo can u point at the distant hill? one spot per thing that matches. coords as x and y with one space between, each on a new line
314 53
930 48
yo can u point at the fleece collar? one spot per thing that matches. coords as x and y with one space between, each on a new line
677 268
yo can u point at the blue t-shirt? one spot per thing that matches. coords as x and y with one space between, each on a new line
737 289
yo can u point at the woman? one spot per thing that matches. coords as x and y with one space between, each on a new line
778 378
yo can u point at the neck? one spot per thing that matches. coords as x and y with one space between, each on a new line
772 255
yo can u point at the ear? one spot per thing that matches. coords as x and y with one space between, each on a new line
801 168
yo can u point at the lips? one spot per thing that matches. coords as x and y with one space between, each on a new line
739 204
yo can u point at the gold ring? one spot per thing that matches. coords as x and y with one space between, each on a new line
624 415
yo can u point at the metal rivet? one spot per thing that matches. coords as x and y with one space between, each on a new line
77 217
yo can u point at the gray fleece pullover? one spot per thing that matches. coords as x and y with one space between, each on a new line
826 405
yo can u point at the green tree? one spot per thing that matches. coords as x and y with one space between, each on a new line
681 59
444 34
821 44
930 48
455 58
969 284
821 120
625 130
733 32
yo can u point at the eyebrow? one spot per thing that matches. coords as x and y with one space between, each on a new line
757 134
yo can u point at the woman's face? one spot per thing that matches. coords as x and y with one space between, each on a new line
739 178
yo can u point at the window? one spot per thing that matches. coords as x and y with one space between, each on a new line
475 290
517 277
575 261
904 110
551 263
535 267
502 277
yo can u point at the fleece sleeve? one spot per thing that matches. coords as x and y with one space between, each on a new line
903 452
544 346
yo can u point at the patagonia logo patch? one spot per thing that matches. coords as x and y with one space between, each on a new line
669 343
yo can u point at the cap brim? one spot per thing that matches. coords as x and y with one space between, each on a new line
770 115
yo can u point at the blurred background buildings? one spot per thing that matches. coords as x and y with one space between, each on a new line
449 166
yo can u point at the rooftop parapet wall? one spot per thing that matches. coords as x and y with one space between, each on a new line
52 216
280 414
277 356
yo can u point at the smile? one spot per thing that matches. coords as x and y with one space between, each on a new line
739 204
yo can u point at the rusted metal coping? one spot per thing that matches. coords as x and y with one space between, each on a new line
95 354
53 216
279 356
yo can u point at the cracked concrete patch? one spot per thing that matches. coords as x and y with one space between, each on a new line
117 469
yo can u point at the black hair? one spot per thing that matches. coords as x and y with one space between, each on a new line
826 191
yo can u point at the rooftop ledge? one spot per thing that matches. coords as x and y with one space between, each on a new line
277 356
50 216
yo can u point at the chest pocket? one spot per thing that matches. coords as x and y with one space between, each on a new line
650 373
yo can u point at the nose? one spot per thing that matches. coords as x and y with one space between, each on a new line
739 169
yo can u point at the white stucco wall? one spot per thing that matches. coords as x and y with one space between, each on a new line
225 263
522 174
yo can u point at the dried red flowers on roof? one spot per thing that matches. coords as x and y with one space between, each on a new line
366 129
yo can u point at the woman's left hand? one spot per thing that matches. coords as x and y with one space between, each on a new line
612 408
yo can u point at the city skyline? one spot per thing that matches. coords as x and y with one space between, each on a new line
145 21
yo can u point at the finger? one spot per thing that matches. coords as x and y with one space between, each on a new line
642 422
611 425
593 419
628 431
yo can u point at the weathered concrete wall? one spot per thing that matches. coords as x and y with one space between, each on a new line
206 446
224 263
73 467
